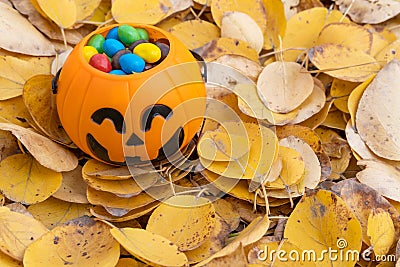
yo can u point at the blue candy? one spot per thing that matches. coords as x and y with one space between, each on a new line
131 63
112 46
117 72
113 34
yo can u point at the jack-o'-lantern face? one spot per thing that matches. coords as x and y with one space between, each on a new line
133 118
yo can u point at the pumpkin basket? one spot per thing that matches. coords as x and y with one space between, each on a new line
131 118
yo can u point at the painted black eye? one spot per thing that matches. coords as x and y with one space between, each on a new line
153 111
112 114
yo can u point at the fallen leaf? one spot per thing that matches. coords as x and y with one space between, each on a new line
24 180
238 25
361 11
85 8
14 22
320 220
7 261
45 151
248 67
80 242
380 229
141 243
342 62
282 86
195 33
228 213
8 145
101 213
18 232
62 12
73 188
378 110
235 258
148 12
276 23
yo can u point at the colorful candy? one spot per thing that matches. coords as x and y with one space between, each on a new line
125 50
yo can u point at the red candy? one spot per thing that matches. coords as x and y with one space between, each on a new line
100 62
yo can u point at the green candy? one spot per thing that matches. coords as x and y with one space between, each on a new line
144 35
97 42
127 34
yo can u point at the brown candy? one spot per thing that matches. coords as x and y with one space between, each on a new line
115 59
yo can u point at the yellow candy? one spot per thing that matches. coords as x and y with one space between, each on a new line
88 52
148 51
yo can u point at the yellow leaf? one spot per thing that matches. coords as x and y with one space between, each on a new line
341 90
276 23
317 119
142 12
18 231
8 145
53 212
45 151
355 97
228 213
142 244
388 53
40 102
292 168
282 86
223 46
248 67
80 242
13 22
238 25
14 111
378 110
253 8
346 34
322 220
213 244
73 188
369 12
342 62
127 262
381 231
7 261
263 148
24 180
236 257
302 29
101 213
219 146
62 12
85 8
195 33
187 221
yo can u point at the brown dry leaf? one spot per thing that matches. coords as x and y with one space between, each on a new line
248 67
362 11
53 212
47 27
238 25
349 35
302 30
320 220
246 209
73 188
141 12
40 102
362 200
342 62
8 145
62 12
80 242
18 232
14 72
141 244
252 233
45 151
24 180
195 33
187 221
282 86
22 29
213 244
381 231
226 46
381 176
228 213
378 110
101 213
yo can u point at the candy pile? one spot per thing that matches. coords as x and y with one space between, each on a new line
125 50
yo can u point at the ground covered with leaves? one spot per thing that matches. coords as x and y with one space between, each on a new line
300 169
